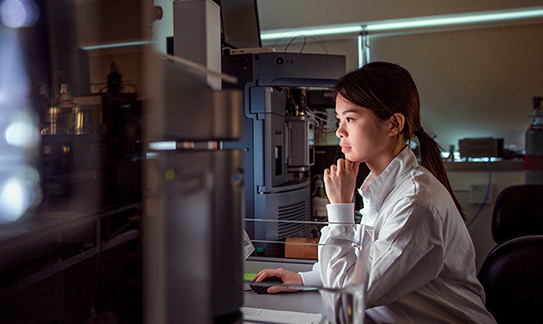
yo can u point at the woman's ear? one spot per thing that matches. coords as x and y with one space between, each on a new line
397 123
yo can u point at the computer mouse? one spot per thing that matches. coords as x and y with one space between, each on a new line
268 282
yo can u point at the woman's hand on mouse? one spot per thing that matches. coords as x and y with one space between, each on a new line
340 181
288 278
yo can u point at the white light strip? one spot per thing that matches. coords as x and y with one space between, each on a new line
163 146
317 31
429 21
114 45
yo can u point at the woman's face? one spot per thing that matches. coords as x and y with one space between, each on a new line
363 137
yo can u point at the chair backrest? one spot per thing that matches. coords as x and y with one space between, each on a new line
518 211
512 276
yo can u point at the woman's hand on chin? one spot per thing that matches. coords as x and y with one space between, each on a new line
340 181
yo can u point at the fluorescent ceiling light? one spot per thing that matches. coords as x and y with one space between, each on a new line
430 21
467 19
114 45
317 31
163 146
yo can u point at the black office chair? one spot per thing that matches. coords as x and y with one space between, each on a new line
518 211
512 276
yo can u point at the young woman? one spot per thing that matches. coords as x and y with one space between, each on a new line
422 260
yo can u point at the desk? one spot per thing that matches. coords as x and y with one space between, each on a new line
304 301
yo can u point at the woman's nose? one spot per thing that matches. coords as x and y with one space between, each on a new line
340 132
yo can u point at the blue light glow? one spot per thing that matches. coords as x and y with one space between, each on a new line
12 202
22 133
19 13
19 181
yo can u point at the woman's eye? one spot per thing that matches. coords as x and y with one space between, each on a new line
349 119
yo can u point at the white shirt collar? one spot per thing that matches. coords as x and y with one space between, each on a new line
375 190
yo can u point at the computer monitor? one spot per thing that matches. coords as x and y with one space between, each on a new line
240 26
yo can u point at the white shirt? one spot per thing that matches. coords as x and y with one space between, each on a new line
422 259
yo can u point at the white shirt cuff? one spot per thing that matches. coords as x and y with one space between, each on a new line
341 213
311 278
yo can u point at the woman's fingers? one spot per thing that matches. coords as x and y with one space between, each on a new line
343 165
340 181
263 274
288 278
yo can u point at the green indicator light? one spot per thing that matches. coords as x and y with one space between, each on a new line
170 175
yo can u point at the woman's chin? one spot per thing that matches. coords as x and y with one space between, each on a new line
351 157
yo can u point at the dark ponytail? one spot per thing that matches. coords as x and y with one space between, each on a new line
430 158
386 89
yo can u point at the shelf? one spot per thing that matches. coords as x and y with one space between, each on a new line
507 165
37 248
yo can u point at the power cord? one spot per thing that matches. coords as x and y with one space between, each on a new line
486 195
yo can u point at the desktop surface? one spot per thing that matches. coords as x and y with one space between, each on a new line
303 301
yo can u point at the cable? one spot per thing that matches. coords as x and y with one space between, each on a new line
321 123
486 195
317 38
303 46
